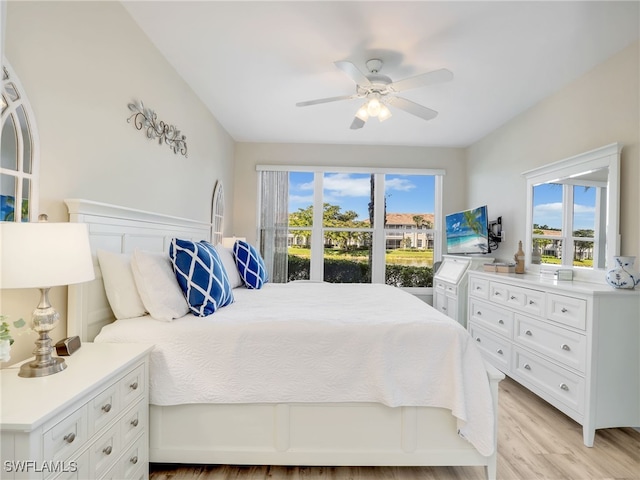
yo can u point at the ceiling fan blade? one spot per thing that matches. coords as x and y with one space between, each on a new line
352 72
325 100
357 123
429 78
412 108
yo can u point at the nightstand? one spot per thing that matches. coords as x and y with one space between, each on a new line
89 421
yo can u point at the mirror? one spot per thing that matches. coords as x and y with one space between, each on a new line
573 211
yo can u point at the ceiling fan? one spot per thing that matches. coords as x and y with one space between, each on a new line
379 92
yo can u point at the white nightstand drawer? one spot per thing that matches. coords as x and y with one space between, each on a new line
561 344
495 349
64 438
479 287
133 386
492 317
134 423
567 310
103 408
104 452
552 379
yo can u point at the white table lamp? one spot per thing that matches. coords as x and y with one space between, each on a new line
44 255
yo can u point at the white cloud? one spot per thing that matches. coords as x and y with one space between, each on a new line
401 184
343 185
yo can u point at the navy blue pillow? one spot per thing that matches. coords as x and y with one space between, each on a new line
250 265
201 276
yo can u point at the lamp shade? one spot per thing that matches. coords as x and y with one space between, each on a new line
43 254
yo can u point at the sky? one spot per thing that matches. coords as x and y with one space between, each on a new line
547 206
404 193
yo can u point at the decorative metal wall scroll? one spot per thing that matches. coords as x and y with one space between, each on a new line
145 118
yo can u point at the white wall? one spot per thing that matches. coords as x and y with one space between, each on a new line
81 63
599 108
248 155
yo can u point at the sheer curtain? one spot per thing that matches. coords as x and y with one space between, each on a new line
274 222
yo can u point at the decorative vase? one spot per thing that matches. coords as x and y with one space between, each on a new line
622 274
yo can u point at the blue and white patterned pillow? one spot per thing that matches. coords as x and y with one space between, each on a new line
250 265
201 276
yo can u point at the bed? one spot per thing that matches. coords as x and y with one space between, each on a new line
341 382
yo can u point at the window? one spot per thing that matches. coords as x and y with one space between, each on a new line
18 159
354 226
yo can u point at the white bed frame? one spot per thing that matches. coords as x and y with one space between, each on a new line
347 434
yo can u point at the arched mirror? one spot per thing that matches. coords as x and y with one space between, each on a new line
573 212
217 214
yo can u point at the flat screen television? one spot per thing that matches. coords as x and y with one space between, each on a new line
467 232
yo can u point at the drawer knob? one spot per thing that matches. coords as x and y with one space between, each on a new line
564 310
478 339
512 297
107 450
478 288
531 302
499 351
134 386
444 309
134 459
479 313
564 387
69 438
106 408
501 322
528 332
566 347
527 366
134 422
497 294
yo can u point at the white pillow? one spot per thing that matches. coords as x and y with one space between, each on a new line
157 285
119 284
229 264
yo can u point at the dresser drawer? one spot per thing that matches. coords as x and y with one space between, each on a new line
64 438
133 386
567 310
495 349
103 408
491 317
134 423
524 299
559 383
134 463
565 346
479 287
104 452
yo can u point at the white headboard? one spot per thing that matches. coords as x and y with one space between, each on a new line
118 229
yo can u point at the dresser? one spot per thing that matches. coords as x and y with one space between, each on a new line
575 344
89 421
450 284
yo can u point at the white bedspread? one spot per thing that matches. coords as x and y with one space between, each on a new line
319 342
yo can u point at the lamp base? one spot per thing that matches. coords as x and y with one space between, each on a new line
35 369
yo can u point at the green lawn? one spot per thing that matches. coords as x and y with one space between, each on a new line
400 255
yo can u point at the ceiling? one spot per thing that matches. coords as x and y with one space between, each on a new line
251 62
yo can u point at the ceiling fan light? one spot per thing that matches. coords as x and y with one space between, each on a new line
362 113
373 107
384 114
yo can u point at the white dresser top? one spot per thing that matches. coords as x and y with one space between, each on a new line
575 286
26 403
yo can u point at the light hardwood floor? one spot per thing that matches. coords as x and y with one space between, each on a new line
535 441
